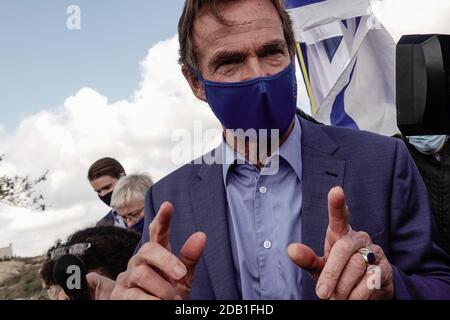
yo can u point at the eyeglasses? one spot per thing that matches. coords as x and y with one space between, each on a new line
75 249
133 215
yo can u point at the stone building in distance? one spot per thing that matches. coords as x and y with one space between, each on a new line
6 252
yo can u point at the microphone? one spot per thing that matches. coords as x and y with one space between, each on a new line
70 273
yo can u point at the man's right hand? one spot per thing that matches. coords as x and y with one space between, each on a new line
154 273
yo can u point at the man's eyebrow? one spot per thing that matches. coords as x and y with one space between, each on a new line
273 45
222 56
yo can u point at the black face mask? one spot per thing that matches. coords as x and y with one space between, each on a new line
106 199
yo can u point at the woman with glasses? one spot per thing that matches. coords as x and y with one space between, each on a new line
128 199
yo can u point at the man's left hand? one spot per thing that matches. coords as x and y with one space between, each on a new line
342 273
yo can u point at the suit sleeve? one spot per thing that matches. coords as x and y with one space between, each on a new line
149 215
421 269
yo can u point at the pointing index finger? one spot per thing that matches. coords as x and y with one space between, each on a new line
159 227
337 214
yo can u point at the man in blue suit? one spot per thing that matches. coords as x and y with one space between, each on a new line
238 229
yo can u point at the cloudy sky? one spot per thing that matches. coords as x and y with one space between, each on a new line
113 88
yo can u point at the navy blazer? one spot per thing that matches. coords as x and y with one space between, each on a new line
106 221
385 195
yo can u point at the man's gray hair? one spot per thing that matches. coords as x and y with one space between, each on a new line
130 188
192 8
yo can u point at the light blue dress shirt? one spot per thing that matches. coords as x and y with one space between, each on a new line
265 217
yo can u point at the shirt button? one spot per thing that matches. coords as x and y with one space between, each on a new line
263 190
267 244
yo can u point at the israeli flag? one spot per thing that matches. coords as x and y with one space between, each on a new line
347 60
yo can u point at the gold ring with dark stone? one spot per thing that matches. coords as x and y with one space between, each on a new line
368 256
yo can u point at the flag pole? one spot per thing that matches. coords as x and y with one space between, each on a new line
306 78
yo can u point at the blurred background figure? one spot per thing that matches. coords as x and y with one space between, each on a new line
432 156
128 199
105 250
103 176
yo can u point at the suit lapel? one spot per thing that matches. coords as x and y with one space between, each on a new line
210 211
321 172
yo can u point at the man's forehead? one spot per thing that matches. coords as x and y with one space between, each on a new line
240 17
218 31
103 181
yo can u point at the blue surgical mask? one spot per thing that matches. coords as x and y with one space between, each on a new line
428 144
261 103
138 226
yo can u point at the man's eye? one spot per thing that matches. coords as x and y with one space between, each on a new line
273 53
229 63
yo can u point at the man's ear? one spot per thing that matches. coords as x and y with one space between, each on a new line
197 86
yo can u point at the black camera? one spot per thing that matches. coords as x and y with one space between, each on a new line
423 85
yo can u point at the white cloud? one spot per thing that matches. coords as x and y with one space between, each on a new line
32 233
137 132
413 16
87 127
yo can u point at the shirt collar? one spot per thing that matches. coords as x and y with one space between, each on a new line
229 158
290 151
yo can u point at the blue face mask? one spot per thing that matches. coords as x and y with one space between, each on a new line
139 226
261 103
428 144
